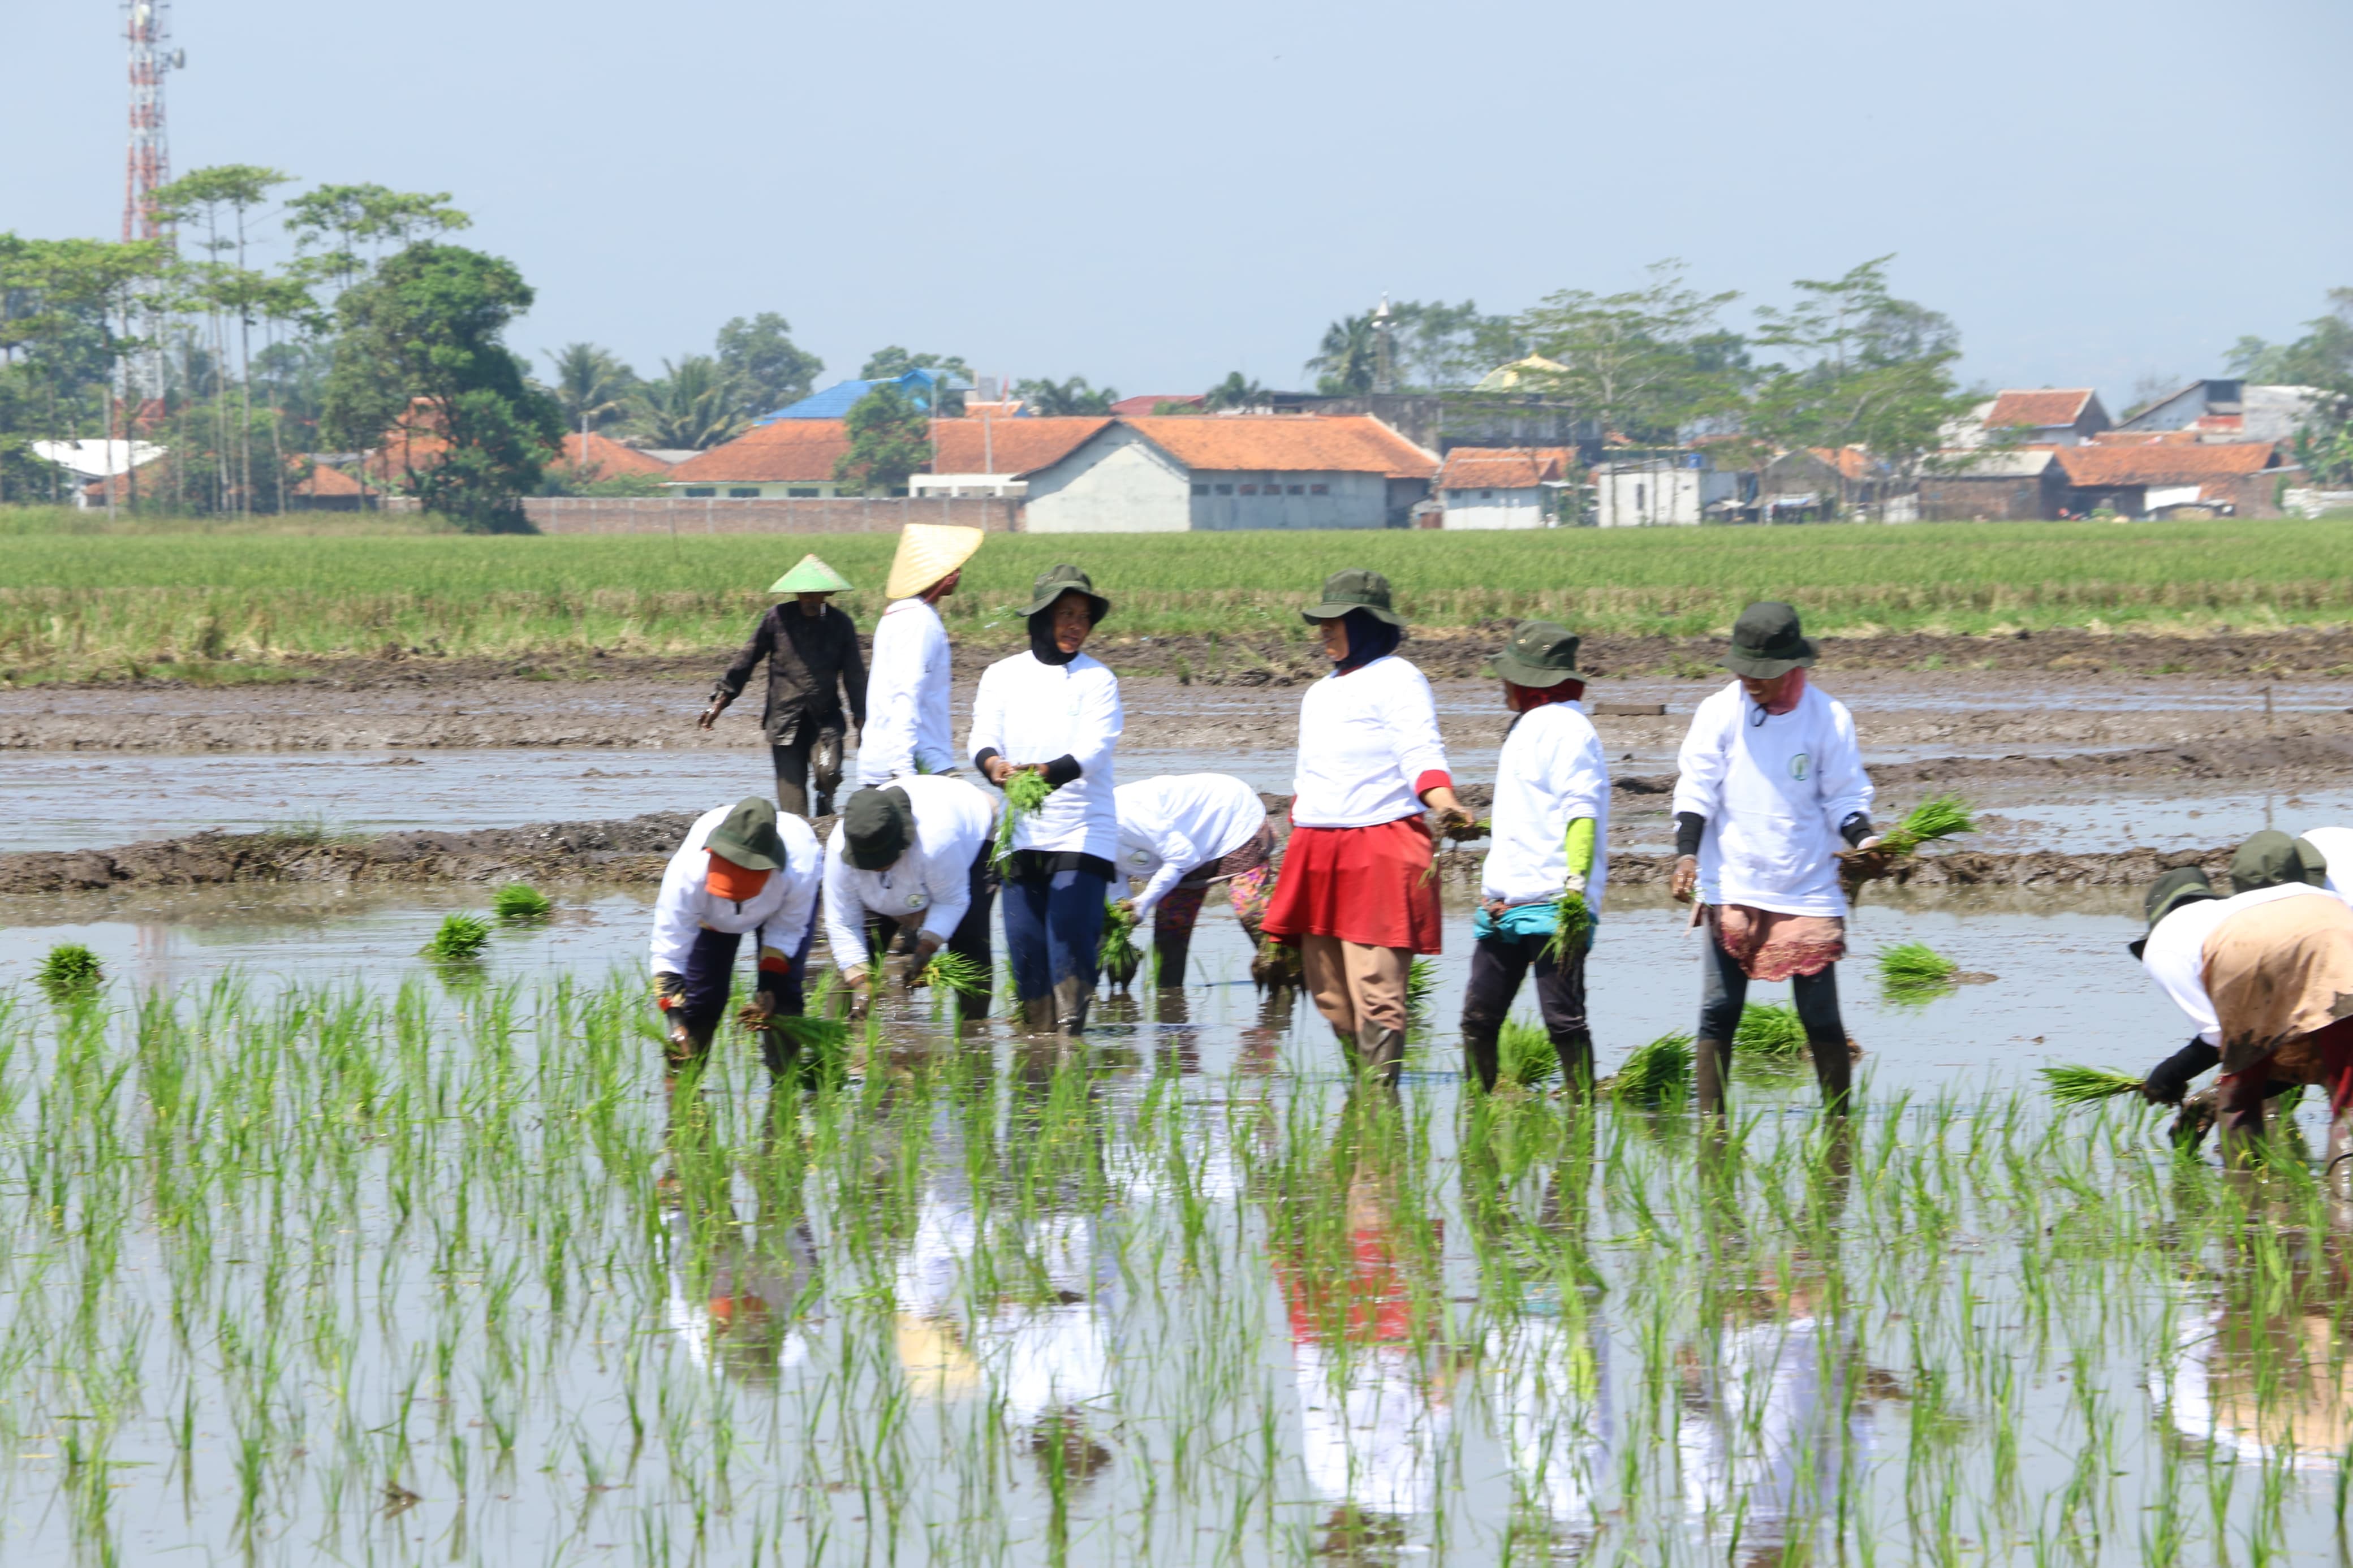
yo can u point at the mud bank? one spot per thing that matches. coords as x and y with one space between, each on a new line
633 850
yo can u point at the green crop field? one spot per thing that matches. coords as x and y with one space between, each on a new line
77 599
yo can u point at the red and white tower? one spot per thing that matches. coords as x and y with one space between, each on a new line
147 24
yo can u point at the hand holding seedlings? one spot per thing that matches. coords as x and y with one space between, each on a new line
1684 882
914 966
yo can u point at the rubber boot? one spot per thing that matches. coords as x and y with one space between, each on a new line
1072 998
1575 1050
1834 1070
1037 1014
1711 1073
1479 1057
2240 1129
1384 1053
1170 954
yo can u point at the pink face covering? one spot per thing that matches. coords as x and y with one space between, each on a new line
1787 689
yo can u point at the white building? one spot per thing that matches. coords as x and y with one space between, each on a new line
1677 488
1179 473
1507 487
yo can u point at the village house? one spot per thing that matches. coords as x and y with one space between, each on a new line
1669 488
787 458
1176 473
835 401
2167 478
1507 487
984 455
2064 417
1992 485
2220 410
1814 482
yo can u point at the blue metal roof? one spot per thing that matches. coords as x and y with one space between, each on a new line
836 400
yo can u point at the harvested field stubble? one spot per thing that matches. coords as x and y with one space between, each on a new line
190 603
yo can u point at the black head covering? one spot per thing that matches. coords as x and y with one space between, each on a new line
1050 588
1369 637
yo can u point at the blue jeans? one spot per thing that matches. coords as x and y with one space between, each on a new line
1053 930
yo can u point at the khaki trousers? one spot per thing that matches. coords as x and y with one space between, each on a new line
1355 985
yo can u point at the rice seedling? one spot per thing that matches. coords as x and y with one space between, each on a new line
1937 817
1915 972
952 971
1658 1073
69 972
2072 1086
1118 956
1769 1031
1524 1054
460 939
1025 795
1421 988
519 904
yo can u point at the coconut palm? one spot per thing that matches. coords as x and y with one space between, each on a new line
1348 360
1050 397
693 405
592 384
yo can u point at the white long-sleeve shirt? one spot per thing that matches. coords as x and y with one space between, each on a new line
1169 825
2175 953
2336 846
780 911
1032 711
1366 739
1774 789
929 882
907 688
1550 773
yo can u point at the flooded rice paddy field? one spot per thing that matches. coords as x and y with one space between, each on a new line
318 1251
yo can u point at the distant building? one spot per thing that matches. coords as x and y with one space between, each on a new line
2224 411
329 489
1507 487
2236 478
1151 403
592 458
787 458
1818 482
1677 488
922 387
1992 486
1183 472
2065 416
996 457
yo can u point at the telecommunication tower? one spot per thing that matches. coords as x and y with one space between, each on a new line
147 24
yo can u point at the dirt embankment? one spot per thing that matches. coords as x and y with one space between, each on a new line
634 850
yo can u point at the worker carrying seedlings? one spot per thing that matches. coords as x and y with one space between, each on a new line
2266 977
906 726
740 868
907 872
814 668
1053 713
1540 890
1180 834
1358 894
1770 783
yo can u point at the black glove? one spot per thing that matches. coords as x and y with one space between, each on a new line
2170 1079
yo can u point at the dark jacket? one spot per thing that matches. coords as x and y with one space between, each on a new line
812 660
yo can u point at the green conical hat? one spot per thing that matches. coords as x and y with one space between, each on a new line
811 576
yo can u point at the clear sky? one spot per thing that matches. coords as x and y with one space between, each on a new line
1155 195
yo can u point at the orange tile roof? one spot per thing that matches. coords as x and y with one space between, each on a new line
326 481
789 451
2093 467
1008 445
601 458
1287 443
1503 468
2037 410
1851 462
1142 405
2145 437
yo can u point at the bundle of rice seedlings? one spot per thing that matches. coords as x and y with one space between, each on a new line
1657 1074
1523 1055
954 972
519 902
1938 817
1769 1029
1118 957
1572 918
70 970
2071 1085
1420 984
1915 972
1025 795
820 1047
1274 964
460 940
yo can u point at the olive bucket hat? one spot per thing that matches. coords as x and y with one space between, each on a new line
810 576
2271 859
877 825
2182 885
1767 642
1053 584
1354 589
1541 654
747 836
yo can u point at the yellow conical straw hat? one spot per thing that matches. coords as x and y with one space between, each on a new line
927 552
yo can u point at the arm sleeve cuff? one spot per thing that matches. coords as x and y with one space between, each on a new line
1062 770
1855 828
1690 826
980 759
1435 778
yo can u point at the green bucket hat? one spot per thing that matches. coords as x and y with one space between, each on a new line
2271 859
2182 885
1354 589
1767 642
877 825
811 576
1541 654
1066 578
747 836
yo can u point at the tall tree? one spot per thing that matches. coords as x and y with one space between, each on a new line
1050 397
592 386
2323 360
889 438
1237 391
767 366
1347 363
1439 346
1647 362
693 405
889 363
420 351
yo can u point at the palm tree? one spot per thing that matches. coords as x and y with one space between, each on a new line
592 384
1347 363
1050 398
695 404
1236 391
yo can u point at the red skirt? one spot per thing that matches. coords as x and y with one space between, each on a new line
1368 884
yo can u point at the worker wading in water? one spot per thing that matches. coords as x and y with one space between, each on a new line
1550 832
1770 782
907 872
907 685
814 670
1181 834
740 868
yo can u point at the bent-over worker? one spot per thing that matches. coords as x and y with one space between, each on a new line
811 647
906 873
740 868
1550 833
906 729
1770 781
1180 834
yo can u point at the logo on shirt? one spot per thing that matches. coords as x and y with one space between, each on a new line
1799 766
915 900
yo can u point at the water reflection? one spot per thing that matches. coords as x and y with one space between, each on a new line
2266 1372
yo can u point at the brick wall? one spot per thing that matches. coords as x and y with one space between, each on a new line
855 514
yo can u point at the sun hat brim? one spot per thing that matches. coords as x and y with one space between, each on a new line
1101 604
1758 667
927 552
811 576
1535 677
1328 612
